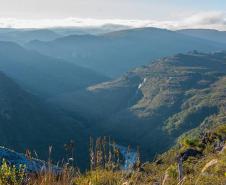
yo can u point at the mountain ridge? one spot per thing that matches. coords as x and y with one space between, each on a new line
208 34
149 99
42 74
29 123
113 56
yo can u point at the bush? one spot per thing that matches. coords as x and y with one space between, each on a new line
11 175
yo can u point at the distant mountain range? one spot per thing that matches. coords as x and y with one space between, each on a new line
115 53
25 35
212 35
43 75
93 30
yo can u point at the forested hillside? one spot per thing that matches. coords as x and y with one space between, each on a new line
171 96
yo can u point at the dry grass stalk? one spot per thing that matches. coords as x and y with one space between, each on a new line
209 164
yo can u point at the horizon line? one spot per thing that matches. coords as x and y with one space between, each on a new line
200 21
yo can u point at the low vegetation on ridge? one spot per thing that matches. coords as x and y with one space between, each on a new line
203 162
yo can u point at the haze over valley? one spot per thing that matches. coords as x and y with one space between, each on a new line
136 96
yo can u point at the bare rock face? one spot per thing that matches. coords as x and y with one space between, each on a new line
190 153
32 165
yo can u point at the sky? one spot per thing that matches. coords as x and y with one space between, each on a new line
172 14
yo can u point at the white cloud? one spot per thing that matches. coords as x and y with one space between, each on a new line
210 20
215 20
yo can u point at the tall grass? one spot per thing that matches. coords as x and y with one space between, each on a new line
105 161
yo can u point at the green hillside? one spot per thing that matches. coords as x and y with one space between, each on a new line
163 100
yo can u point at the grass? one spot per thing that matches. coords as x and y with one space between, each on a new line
209 169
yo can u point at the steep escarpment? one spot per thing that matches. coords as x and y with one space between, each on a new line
153 105
26 122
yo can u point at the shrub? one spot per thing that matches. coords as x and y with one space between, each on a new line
10 175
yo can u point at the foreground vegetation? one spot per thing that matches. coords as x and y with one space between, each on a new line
203 163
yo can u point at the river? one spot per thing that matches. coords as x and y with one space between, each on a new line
129 156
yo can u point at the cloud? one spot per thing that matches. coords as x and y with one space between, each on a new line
208 20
